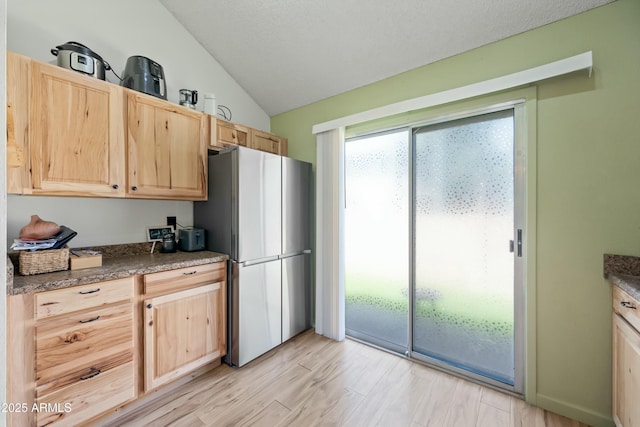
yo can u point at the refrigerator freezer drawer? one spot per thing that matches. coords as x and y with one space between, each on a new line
256 310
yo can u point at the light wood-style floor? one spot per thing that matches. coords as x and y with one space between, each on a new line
314 381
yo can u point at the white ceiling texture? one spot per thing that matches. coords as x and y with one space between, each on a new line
290 53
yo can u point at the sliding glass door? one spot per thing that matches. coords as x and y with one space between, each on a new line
431 245
463 224
377 239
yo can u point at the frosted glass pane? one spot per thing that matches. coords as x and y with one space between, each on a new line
376 238
463 224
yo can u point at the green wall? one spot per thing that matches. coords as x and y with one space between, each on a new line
588 182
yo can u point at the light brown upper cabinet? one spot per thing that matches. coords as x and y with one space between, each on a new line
76 133
166 149
265 141
226 134
73 135
18 177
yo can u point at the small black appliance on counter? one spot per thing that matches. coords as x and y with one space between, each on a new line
144 75
191 239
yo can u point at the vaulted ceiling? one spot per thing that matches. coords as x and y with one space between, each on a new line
290 53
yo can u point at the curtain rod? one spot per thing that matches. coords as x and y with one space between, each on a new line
583 61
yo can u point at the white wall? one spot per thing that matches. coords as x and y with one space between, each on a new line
115 30
97 221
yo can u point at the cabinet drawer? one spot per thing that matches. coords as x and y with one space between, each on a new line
626 306
184 278
87 398
61 301
73 343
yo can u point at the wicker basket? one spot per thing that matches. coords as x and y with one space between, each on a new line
44 261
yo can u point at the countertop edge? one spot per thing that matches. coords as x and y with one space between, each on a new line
623 271
112 269
629 284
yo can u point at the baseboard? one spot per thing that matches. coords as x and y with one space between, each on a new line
575 412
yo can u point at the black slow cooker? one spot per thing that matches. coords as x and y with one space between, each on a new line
76 56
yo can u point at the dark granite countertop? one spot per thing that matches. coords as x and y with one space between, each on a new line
624 272
118 261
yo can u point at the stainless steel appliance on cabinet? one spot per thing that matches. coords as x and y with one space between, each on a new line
258 212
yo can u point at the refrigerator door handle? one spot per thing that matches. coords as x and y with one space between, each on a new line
292 254
259 261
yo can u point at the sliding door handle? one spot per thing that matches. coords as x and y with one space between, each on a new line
519 242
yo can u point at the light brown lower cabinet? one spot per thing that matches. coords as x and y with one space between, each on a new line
78 354
182 331
184 321
626 361
71 353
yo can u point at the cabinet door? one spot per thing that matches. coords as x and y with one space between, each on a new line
183 331
268 142
229 134
626 373
167 150
18 177
77 133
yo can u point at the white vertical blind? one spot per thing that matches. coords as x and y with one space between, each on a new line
330 317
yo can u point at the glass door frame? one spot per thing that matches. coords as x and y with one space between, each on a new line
520 198
524 101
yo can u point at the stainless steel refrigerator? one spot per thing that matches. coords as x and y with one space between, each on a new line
258 212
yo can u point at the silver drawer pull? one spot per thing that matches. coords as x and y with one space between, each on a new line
190 273
94 374
93 291
89 320
627 304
